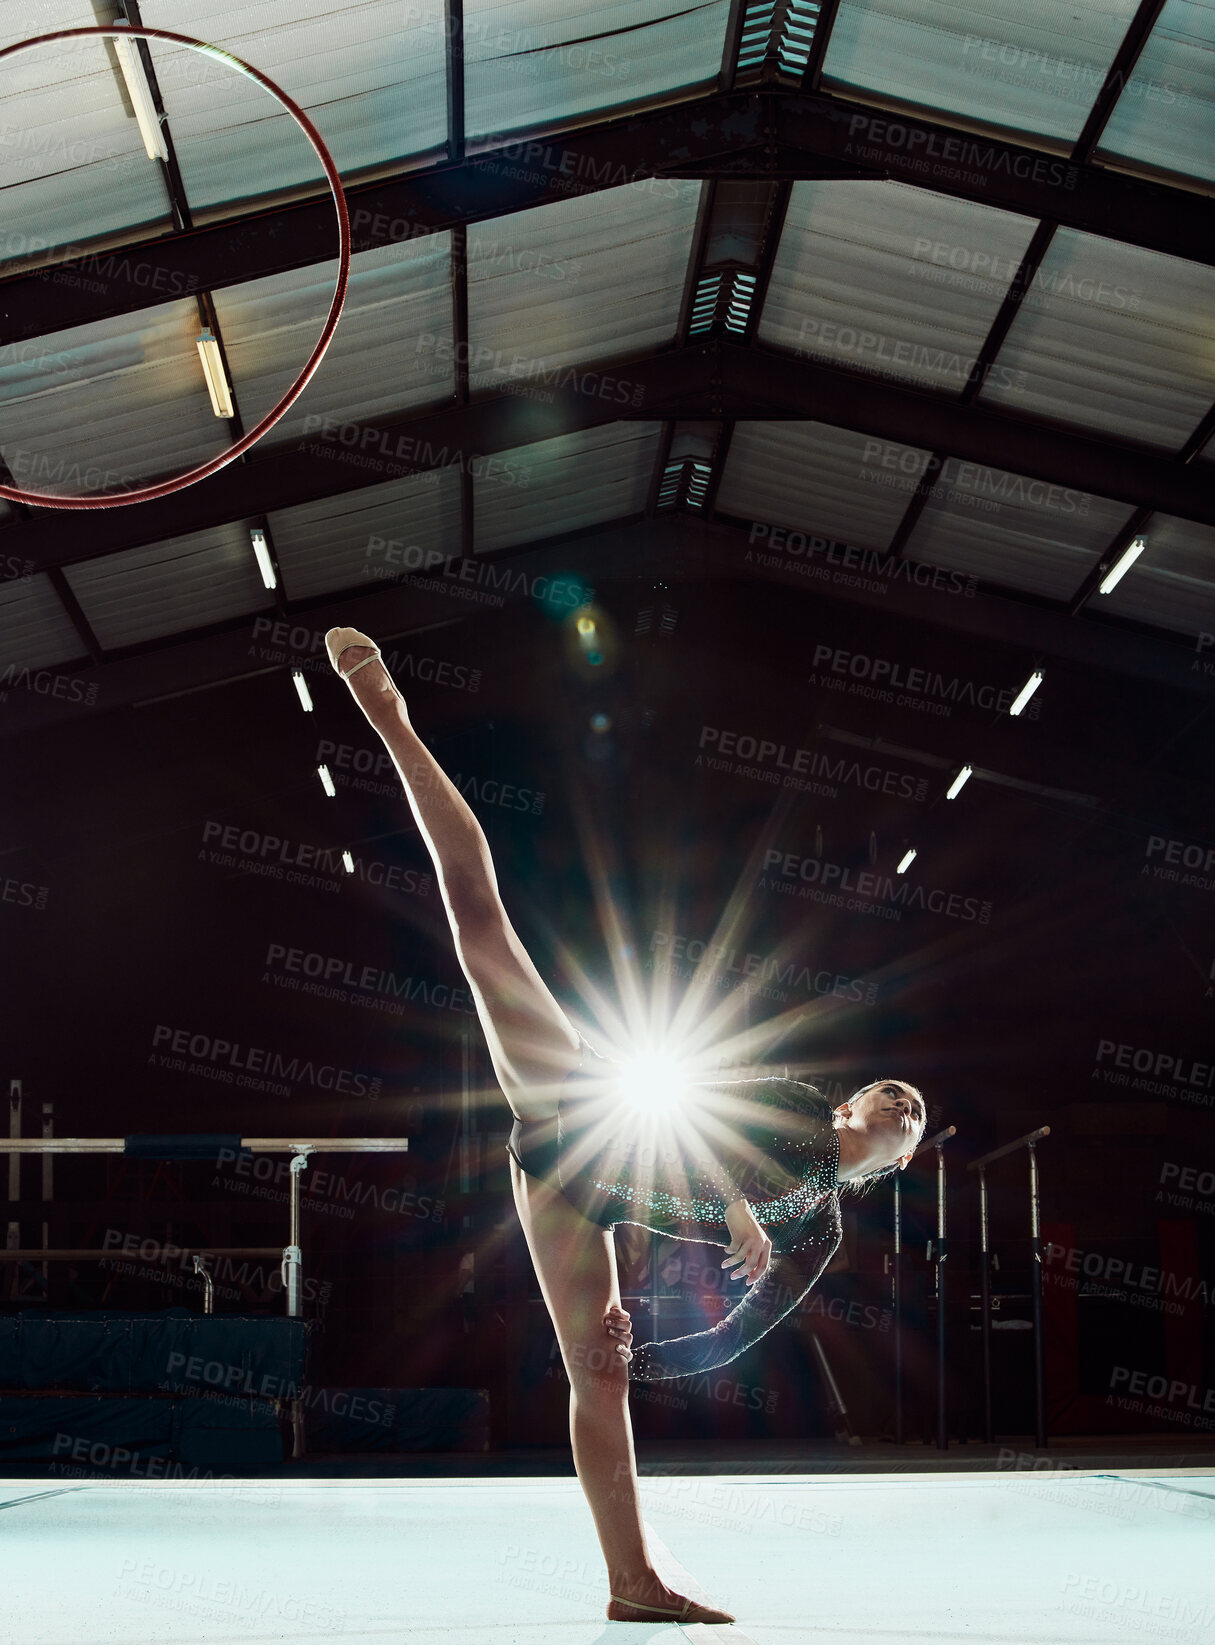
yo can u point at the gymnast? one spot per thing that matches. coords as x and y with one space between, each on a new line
760 1175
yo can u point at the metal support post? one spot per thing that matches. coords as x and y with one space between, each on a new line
208 1285
13 1239
938 1142
48 1189
1035 1243
293 1275
897 1301
1035 1246
985 1304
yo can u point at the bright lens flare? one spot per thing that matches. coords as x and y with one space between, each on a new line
653 1083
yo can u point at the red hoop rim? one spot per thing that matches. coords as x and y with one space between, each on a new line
165 488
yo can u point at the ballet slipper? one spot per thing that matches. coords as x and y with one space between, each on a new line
341 639
624 1610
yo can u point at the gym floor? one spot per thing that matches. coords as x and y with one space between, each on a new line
862 1559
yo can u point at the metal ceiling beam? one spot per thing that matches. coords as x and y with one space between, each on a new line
1120 70
775 132
688 548
715 379
822 39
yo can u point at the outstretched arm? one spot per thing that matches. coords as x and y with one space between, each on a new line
788 1279
532 1043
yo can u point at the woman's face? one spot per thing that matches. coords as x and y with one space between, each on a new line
891 1113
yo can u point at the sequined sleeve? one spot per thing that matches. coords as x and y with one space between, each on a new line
789 1277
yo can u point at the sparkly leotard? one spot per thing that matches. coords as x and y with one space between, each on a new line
768 1141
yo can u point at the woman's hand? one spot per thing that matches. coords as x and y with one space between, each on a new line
750 1250
619 1326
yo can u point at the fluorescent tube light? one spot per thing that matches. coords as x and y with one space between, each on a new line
140 93
1128 557
348 860
959 782
301 686
322 772
1026 691
908 859
261 554
213 370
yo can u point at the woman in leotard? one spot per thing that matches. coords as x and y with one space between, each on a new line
759 1173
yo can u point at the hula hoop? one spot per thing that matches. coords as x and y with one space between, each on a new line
166 487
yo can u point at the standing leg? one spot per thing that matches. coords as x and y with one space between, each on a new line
576 1266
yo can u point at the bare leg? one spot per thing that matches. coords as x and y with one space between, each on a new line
576 1266
532 1043
533 1046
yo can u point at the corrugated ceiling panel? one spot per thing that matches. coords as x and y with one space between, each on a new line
821 481
558 485
368 539
1172 583
1036 67
72 163
530 64
104 405
35 630
371 75
579 281
1017 532
1112 337
895 280
1165 117
392 349
170 587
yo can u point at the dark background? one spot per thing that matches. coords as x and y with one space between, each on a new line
999 1023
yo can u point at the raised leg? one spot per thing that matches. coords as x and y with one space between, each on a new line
532 1043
